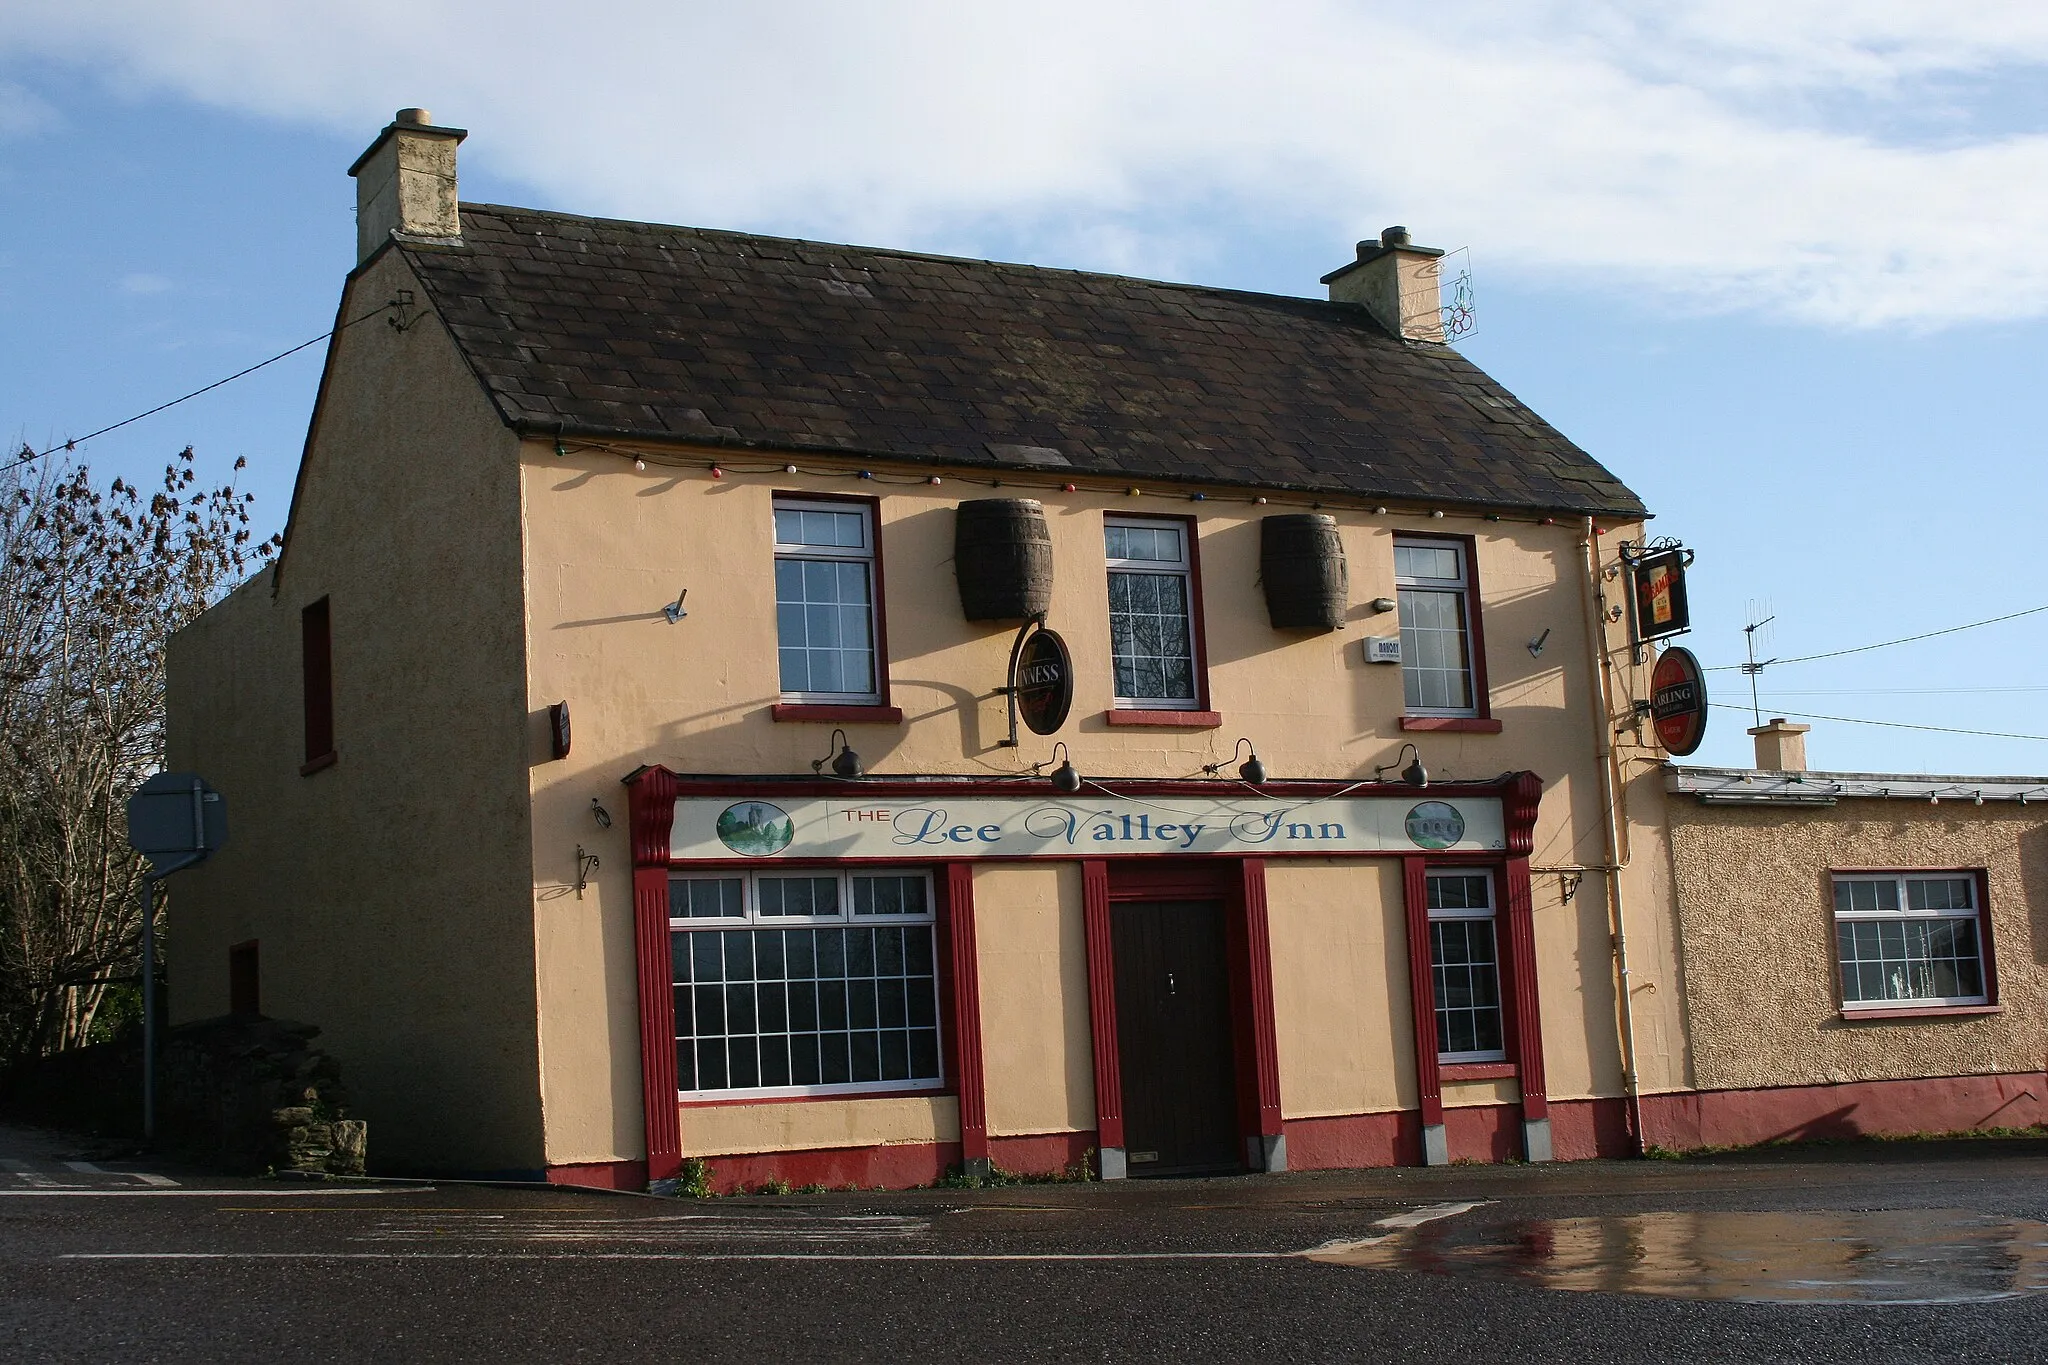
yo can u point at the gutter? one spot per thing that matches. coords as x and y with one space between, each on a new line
1601 700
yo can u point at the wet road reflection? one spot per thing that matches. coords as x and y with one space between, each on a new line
1896 1256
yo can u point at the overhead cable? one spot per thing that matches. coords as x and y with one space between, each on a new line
1882 644
1889 724
29 456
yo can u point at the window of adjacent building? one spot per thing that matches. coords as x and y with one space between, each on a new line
825 621
1433 585
316 656
1464 962
800 983
1151 614
1914 938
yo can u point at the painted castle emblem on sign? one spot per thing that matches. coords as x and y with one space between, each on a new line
755 829
1435 824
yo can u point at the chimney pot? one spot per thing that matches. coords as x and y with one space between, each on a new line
1394 236
415 116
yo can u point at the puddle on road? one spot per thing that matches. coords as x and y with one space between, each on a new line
1926 1256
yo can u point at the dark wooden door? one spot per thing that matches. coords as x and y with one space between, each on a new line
1173 1037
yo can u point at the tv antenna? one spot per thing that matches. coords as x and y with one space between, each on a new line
1753 667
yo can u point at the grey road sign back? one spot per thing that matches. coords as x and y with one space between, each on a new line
175 820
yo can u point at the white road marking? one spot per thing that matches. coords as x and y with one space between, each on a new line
688 1227
1395 1224
29 1175
80 1192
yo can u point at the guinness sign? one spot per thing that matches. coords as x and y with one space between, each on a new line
1678 701
1043 682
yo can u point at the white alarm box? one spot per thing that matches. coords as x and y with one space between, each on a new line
1382 649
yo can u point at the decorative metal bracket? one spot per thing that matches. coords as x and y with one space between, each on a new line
1009 687
586 863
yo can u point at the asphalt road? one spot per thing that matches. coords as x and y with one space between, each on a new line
1911 1253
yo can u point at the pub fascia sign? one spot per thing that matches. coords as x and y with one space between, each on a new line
923 828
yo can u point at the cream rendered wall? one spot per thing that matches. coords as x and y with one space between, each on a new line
1757 910
1341 1018
389 892
1037 1055
609 544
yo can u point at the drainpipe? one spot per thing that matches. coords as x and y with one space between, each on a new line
1603 752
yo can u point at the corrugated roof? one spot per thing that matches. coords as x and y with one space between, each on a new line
641 330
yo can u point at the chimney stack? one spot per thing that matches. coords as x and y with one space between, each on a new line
1395 281
405 183
1781 748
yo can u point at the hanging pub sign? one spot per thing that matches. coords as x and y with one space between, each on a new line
1044 682
1661 608
1678 701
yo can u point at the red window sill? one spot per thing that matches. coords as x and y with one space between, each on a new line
1172 720
1465 725
928 1092
314 765
1921 1012
1477 1071
837 715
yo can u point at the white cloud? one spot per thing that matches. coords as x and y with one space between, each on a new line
1701 154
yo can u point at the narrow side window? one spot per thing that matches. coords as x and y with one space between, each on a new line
317 668
1433 583
1152 636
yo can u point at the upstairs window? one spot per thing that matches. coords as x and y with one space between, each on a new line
826 625
1151 614
316 670
1910 939
1433 585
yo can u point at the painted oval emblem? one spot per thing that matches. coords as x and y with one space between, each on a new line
1435 824
755 829
1044 682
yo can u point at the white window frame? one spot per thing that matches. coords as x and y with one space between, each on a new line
1184 570
868 553
1490 913
752 919
1468 609
1906 914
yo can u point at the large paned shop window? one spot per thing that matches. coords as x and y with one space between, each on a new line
1464 960
1151 615
804 982
1909 939
1433 585
825 624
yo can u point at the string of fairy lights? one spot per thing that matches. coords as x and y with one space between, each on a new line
641 457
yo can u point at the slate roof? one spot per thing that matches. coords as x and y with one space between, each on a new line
640 330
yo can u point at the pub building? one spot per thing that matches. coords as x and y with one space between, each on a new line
844 715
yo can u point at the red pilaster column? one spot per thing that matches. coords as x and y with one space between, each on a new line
651 803
1109 1085
1422 1002
1258 953
1519 802
966 1017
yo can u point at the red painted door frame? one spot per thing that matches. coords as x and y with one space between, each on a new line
1240 883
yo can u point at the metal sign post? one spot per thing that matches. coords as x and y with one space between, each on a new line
175 820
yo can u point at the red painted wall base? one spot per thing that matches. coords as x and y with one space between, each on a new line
1939 1104
601 1175
899 1167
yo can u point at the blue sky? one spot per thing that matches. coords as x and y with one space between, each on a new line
1784 272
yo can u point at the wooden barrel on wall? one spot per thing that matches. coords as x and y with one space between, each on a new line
1002 555
1301 564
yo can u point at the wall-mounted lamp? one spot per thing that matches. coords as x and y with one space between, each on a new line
1066 777
600 814
1383 605
846 763
674 610
1252 770
1415 775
